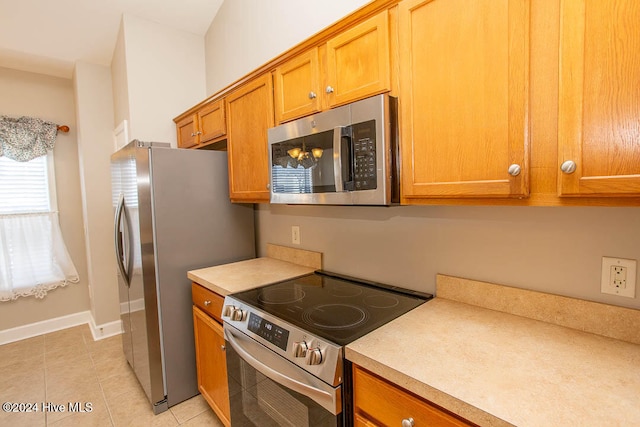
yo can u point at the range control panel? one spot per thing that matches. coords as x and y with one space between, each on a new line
269 331
319 357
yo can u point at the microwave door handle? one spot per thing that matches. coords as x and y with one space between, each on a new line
337 158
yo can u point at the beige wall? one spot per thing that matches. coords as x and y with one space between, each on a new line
119 82
50 98
555 250
162 71
94 112
247 33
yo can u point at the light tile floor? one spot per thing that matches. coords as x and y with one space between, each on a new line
68 366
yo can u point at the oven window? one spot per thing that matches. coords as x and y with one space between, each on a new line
303 165
256 400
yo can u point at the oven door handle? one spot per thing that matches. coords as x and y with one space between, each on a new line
251 351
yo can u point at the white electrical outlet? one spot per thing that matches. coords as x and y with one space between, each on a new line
295 234
618 277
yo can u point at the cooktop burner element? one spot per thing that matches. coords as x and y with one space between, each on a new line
335 316
381 301
281 295
345 291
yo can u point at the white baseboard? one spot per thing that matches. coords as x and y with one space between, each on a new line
56 324
105 330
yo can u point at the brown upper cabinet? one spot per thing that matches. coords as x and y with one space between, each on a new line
509 102
351 65
464 68
249 115
297 86
205 125
599 98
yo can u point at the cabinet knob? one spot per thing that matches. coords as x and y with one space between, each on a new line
568 167
268 186
193 134
198 133
312 95
514 170
223 347
408 422
207 303
329 89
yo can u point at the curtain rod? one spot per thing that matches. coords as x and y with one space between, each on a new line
63 128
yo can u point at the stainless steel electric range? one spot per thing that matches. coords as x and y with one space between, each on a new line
285 346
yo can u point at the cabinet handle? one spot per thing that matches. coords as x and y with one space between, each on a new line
268 186
193 134
329 89
408 422
223 347
198 133
207 303
514 170
312 95
568 167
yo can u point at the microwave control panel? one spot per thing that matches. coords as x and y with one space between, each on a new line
364 155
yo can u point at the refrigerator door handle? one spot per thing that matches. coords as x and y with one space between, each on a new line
118 240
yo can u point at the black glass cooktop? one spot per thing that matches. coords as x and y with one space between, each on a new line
336 308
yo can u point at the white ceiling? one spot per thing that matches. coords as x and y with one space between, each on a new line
49 36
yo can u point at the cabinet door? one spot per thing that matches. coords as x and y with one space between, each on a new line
211 121
599 94
211 362
464 98
249 115
378 402
187 132
297 87
358 61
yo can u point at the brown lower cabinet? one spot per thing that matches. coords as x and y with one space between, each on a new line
378 402
211 359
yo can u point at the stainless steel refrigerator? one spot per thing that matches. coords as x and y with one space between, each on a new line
171 214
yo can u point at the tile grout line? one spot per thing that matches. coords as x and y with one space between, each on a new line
95 371
44 357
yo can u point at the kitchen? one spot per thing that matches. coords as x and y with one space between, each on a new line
548 249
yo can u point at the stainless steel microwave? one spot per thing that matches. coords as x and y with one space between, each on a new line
344 156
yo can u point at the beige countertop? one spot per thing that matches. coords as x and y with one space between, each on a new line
239 276
496 368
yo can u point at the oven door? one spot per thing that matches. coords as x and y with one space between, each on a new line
267 390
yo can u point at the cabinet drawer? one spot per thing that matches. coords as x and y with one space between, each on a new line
209 301
378 402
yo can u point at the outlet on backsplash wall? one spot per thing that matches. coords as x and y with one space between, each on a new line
619 277
295 234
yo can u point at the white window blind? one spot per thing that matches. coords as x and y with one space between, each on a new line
24 186
33 256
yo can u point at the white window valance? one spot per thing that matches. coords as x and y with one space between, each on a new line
26 138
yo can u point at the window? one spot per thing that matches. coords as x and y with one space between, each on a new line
33 257
292 180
